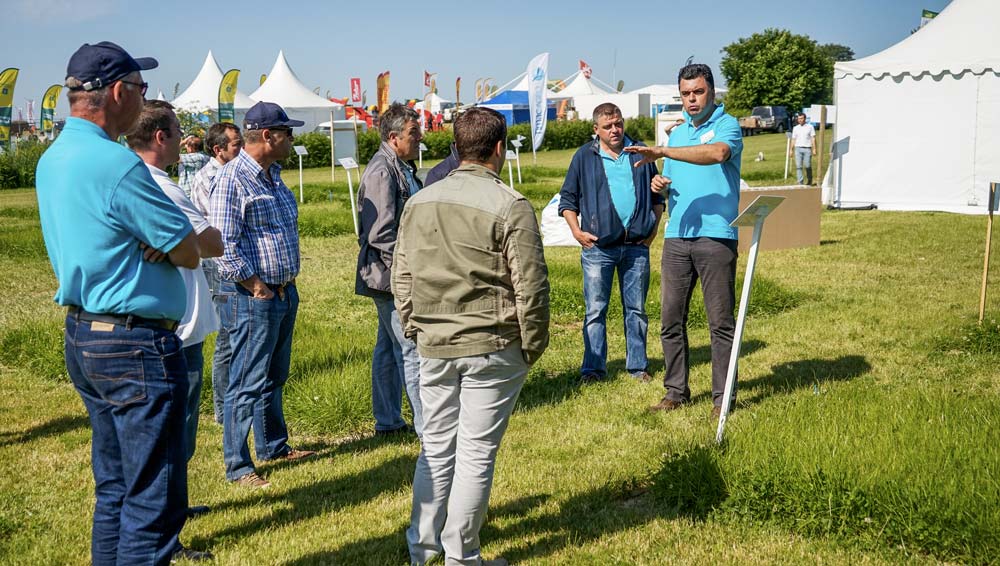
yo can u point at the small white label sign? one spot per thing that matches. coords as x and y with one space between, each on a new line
515 143
423 147
511 154
348 163
300 150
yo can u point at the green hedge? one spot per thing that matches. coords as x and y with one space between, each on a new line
17 165
318 146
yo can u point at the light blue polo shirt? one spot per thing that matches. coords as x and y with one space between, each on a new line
619 173
97 201
704 199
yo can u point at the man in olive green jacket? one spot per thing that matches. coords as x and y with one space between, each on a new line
471 285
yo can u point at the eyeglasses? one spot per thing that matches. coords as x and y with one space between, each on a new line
285 129
143 87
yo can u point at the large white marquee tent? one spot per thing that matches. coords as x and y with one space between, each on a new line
918 125
203 94
284 88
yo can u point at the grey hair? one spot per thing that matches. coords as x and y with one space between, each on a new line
394 119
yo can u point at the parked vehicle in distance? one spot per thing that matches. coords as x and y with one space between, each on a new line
765 119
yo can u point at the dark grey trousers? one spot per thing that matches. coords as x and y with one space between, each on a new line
684 261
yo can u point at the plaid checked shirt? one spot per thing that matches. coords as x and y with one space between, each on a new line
258 217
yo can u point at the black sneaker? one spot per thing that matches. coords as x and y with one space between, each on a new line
197 510
405 429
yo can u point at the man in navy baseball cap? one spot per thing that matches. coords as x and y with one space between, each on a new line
97 66
268 115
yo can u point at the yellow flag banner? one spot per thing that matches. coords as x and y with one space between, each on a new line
458 91
7 80
263 78
227 96
383 92
49 102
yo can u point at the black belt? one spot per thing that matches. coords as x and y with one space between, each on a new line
126 320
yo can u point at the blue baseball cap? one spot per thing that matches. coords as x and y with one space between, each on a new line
265 115
98 65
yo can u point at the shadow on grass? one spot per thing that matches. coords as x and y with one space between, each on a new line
787 377
311 500
54 427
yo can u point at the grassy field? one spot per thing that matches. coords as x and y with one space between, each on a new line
867 429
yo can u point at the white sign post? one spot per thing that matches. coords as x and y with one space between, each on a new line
753 215
511 156
517 154
348 163
300 150
788 151
423 148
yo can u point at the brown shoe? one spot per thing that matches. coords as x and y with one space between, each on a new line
294 454
253 481
666 405
716 412
642 376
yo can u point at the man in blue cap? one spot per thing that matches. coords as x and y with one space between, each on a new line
105 221
258 217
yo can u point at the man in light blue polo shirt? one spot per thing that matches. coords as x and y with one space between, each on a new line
105 223
702 176
611 211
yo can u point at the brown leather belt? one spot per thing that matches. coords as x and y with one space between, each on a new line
280 289
126 320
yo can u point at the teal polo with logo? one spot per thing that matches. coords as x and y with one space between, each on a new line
704 199
97 202
619 174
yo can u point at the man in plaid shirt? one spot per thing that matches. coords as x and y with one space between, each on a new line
258 218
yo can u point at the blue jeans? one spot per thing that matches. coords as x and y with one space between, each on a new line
261 339
195 361
133 382
803 158
221 293
599 266
395 364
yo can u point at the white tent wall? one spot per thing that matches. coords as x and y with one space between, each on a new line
631 105
918 124
902 157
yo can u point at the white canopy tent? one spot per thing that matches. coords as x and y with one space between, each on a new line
284 88
203 93
578 84
918 125
437 104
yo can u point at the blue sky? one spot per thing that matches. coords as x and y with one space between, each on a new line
326 43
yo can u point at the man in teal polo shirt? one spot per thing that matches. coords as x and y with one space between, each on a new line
611 211
702 175
105 223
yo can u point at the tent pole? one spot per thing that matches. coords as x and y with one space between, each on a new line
986 256
333 154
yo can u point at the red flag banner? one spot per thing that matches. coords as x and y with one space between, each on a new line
356 90
585 69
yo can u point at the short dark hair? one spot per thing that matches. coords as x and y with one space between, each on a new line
394 119
606 109
477 131
695 70
155 116
216 136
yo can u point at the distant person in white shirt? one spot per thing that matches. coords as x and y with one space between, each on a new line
155 138
804 142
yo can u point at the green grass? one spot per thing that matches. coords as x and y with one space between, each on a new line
866 430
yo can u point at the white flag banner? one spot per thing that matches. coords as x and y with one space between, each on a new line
538 75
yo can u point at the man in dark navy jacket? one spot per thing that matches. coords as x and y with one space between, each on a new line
613 213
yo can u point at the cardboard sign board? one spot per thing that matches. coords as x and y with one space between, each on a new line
795 224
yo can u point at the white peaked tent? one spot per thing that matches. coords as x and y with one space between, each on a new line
203 94
436 103
578 84
918 125
284 88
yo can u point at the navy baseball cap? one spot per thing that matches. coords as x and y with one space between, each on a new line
98 65
265 115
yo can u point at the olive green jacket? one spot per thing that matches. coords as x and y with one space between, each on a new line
468 274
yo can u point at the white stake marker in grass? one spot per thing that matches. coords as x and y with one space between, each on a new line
300 150
511 156
752 215
348 163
